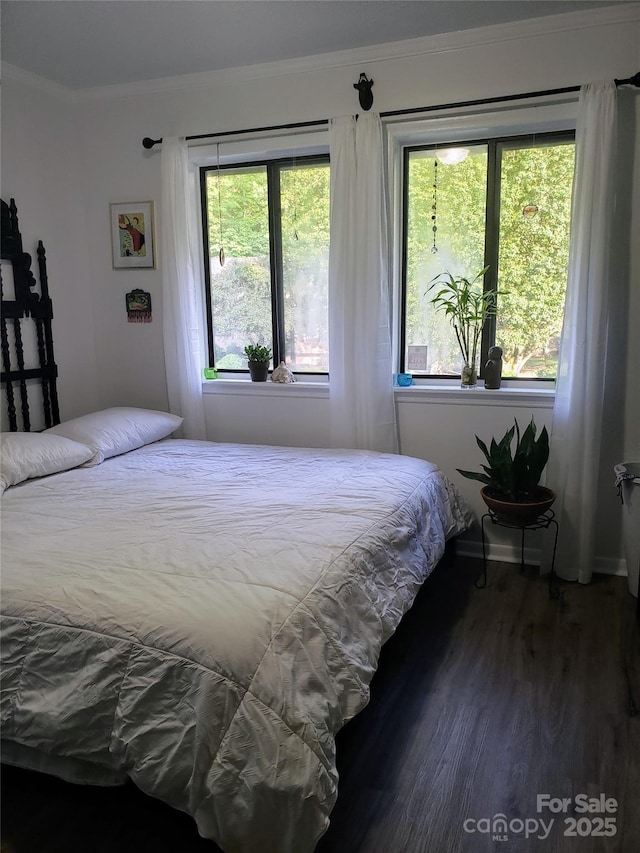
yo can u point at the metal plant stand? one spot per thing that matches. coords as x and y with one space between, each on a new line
542 522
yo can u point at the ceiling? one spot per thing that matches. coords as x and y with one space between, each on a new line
87 43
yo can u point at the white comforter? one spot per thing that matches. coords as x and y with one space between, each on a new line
205 617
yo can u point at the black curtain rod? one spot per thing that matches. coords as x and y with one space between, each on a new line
628 81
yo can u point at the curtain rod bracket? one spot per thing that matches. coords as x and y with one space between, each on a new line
365 94
148 143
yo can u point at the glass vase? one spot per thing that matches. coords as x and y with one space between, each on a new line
469 376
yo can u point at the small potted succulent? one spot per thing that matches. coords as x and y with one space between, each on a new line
258 357
512 482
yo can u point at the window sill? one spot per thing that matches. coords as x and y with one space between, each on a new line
442 394
537 398
265 389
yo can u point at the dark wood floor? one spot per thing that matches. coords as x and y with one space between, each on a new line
483 700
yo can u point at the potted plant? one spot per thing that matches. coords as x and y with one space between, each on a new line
258 357
512 482
467 306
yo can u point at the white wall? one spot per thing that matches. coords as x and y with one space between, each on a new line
39 169
102 135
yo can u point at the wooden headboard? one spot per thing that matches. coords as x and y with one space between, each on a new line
29 372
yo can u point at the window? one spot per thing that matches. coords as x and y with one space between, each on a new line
266 243
504 203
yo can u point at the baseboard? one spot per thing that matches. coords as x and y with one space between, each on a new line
511 554
611 566
496 551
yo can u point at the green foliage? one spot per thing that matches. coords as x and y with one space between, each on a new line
532 255
241 299
467 306
237 219
230 361
237 212
516 477
304 202
257 352
460 222
241 289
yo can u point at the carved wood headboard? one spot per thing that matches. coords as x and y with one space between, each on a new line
29 371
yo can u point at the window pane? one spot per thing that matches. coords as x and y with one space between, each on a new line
446 191
535 211
304 199
238 220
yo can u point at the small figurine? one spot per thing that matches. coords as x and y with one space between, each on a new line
493 369
282 374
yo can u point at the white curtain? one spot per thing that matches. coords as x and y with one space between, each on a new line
360 368
577 415
181 289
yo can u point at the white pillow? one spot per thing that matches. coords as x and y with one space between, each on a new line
24 455
115 431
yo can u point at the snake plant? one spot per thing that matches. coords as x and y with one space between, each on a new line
513 477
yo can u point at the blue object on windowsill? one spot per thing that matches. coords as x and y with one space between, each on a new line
404 380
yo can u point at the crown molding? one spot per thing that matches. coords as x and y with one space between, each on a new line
34 81
421 46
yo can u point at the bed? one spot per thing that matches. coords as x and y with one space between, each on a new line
203 618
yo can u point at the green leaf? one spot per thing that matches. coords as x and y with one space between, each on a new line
539 456
472 475
257 352
483 448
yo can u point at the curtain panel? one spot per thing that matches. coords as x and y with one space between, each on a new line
576 435
182 303
360 361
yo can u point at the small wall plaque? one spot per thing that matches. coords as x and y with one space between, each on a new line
138 306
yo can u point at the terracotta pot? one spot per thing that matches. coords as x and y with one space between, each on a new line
519 514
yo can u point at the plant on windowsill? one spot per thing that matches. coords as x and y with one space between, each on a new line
512 483
258 357
467 307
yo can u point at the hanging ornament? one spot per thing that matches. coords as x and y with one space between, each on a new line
434 207
221 252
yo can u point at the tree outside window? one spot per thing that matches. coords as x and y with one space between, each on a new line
271 220
505 203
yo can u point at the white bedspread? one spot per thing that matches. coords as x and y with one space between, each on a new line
205 617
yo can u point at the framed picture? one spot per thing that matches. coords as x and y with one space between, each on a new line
132 240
